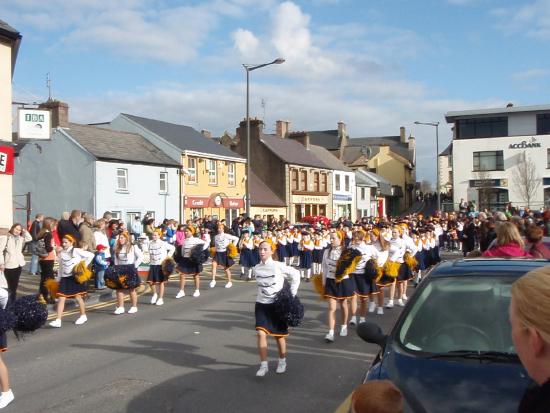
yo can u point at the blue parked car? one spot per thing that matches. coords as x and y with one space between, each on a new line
451 348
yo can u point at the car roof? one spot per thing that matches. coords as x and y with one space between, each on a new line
487 266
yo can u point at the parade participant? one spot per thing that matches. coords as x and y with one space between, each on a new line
364 276
158 251
296 239
409 264
246 245
12 260
189 264
289 243
306 255
394 264
270 276
69 257
382 252
529 315
336 292
281 247
127 258
221 258
257 240
420 255
318 249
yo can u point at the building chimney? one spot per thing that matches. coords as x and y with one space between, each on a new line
402 134
302 137
206 133
342 133
282 128
59 112
256 131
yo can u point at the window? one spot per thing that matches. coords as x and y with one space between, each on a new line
337 182
543 124
231 174
303 180
294 178
324 186
363 191
192 170
316 183
163 183
488 161
482 127
212 172
346 183
548 158
122 179
116 214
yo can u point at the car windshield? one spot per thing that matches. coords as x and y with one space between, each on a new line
459 314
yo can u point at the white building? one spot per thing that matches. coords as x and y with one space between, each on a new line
96 170
489 149
366 206
446 170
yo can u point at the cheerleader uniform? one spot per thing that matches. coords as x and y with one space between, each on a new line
127 263
306 255
382 258
188 265
158 251
245 258
256 252
295 245
68 259
318 249
410 248
221 241
365 272
289 244
420 255
270 277
337 291
281 249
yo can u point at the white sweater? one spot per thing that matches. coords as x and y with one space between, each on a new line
222 241
133 256
159 250
71 257
367 252
270 277
190 243
330 258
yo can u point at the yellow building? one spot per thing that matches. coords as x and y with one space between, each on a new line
10 40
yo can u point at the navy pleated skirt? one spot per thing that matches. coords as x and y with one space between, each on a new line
306 259
188 266
339 291
268 322
223 260
365 286
70 288
155 275
246 259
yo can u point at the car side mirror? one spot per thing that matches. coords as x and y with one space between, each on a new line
371 333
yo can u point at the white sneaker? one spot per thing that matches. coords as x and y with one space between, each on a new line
197 293
81 320
362 320
281 367
229 285
380 311
405 298
329 338
343 331
132 310
353 321
372 307
389 304
160 301
400 303
262 371
180 294
6 398
154 298
119 310
212 283
55 323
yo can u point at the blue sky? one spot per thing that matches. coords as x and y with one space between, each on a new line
376 65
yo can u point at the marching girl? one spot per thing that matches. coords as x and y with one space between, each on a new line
394 266
336 292
189 266
281 247
409 265
246 245
420 255
306 255
221 241
318 249
296 239
364 275
382 252
158 251
127 257
69 257
289 243
270 276
434 246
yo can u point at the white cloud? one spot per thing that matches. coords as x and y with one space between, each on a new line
532 19
246 43
529 74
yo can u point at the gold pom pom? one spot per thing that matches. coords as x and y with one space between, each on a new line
232 251
212 252
52 286
391 269
409 259
82 273
317 281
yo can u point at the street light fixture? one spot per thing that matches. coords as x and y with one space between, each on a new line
436 124
249 68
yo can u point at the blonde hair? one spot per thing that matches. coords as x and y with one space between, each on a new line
531 294
507 233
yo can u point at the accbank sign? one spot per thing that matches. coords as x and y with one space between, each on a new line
525 144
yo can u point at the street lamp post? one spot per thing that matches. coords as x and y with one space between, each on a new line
436 124
249 68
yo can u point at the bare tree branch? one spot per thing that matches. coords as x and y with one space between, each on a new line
525 178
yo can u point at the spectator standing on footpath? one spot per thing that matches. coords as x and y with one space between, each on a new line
12 260
70 226
47 262
136 228
508 243
535 246
36 226
86 232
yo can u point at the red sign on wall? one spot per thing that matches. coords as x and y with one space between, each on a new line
197 201
233 203
6 160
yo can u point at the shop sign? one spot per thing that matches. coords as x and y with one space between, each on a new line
484 183
525 145
6 160
233 203
339 197
304 199
197 201
34 124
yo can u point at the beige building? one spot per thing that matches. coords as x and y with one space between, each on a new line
10 40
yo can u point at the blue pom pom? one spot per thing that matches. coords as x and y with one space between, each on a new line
8 320
30 313
288 309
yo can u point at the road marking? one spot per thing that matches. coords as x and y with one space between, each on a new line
345 406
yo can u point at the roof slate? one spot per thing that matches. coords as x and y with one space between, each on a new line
332 161
183 137
328 139
108 144
292 152
454 115
394 142
8 31
261 194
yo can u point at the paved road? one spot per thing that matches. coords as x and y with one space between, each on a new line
190 355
